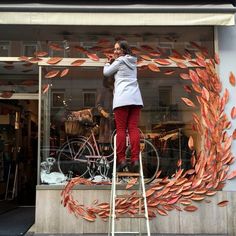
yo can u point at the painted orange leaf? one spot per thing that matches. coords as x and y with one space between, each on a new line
181 65
52 74
6 94
190 171
23 58
34 60
211 193
184 76
197 197
223 203
188 102
193 75
169 72
187 55
173 200
179 162
197 87
177 208
234 134
187 88
135 50
190 208
64 73
93 56
40 54
185 201
80 49
217 59
89 217
202 73
193 63
176 59
187 193
200 55
154 54
56 47
149 192
153 67
205 93
54 60
233 112
131 183
228 142
196 183
77 62
232 175
232 79
146 57
162 212
103 205
201 62
162 62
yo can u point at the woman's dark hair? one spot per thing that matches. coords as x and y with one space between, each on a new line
125 47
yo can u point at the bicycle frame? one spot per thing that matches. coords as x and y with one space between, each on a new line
82 156
86 141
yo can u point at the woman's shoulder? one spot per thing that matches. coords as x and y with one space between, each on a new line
126 58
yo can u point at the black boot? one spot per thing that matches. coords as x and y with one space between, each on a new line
134 166
121 166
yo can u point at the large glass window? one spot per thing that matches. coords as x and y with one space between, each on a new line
4 48
71 103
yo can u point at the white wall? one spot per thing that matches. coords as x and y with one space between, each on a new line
227 52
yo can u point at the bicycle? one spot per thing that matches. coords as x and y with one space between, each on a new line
82 156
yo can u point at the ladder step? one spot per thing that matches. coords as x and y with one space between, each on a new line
127 174
130 216
129 196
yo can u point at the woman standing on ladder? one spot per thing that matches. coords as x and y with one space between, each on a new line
127 102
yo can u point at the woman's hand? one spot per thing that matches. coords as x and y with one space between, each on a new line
110 59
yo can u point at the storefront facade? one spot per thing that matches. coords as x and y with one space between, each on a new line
58 64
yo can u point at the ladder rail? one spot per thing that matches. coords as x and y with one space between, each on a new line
144 195
113 197
112 215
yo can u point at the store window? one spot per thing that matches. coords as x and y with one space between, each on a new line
58 99
89 96
29 48
4 48
70 117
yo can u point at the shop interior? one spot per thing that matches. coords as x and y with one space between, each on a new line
18 151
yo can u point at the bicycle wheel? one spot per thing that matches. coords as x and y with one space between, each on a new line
150 160
71 157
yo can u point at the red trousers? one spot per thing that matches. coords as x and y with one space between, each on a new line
126 119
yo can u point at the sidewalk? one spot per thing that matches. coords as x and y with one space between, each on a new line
31 233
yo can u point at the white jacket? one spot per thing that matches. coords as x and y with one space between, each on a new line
126 88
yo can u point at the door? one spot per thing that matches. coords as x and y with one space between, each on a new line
18 150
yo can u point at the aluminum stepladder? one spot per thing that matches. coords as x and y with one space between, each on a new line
113 216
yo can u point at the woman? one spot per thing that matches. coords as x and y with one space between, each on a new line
127 102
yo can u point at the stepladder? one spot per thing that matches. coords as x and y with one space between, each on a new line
128 206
